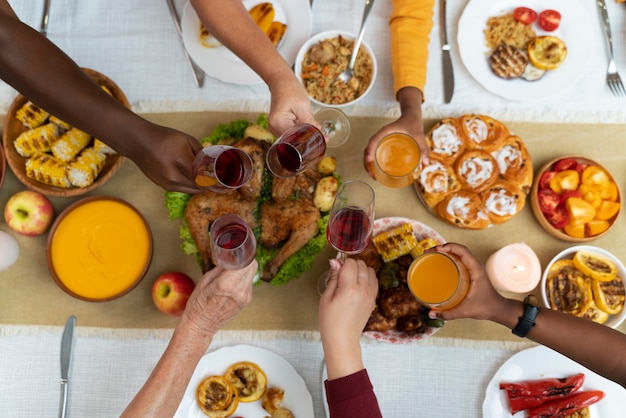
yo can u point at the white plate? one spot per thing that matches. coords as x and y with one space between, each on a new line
539 363
474 50
278 371
222 64
421 231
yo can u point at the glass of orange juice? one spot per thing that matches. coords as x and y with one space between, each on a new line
438 280
397 160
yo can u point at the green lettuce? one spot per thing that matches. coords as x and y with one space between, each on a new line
295 265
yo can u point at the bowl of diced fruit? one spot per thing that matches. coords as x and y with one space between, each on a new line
575 199
52 157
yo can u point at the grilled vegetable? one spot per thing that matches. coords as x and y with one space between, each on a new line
422 246
102 147
85 169
60 123
263 15
395 242
70 144
609 296
31 115
47 169
530 393
276 32
37 139
566 406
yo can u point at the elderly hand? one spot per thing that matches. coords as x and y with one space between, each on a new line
482 300
290 105
219 296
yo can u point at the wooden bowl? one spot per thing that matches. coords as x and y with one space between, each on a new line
541 218
99 248
3 166
13 128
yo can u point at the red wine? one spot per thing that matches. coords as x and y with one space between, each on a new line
296 150
231 236
230 168
349 230
289 157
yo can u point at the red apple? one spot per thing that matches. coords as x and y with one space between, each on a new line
29 213
170 292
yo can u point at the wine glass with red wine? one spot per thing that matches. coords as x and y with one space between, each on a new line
299 148
233 245
222 168
351 221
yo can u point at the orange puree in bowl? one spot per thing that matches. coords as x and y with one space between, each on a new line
100 249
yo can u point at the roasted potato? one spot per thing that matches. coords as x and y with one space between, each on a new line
327 165
258 132
325 192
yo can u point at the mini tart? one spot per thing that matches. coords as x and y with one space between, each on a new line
463 209
216 397
502 201
514 162
248 379
476 170
446 141
483 132
435 181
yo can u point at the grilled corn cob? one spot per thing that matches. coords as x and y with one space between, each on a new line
31 115
395 242
422 246
70 144
61 124
85 168
37 139
47 169
102 147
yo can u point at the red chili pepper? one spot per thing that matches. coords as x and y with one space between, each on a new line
566 406
530 393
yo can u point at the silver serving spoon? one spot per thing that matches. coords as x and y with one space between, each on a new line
347 74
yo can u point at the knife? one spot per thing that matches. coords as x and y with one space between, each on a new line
197 71
446 63
66 357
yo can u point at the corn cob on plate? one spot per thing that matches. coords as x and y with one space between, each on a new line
55 183
389 234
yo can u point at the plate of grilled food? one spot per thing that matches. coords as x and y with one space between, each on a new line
515 51
287 23
288 216
560 380
248 381
479 173
398 317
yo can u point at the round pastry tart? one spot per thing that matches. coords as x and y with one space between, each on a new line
478 173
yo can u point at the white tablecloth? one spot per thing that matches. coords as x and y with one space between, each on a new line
430 379
135 43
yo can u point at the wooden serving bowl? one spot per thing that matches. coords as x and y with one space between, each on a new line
13 128
99 248
541 218
3 166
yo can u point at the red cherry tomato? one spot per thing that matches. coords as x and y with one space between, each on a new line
569 193
549 20
548 201
559 218
544 179
581 167
565 164
525 15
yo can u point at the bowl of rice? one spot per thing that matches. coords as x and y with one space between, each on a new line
323 57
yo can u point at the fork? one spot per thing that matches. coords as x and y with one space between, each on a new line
613 79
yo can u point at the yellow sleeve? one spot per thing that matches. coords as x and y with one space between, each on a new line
410 25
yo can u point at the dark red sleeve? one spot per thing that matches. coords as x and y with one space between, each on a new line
352 396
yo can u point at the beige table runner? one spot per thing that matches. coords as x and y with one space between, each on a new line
30 296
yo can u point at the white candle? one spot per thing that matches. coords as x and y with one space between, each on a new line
514 268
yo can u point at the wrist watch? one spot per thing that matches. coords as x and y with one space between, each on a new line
526 321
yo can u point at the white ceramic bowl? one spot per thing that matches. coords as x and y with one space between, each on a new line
328 35
614 320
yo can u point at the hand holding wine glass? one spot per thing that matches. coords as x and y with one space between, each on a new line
222 168
233 245
299 148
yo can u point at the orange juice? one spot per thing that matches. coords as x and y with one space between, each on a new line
437 280
397 159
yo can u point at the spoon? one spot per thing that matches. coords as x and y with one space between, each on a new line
347 74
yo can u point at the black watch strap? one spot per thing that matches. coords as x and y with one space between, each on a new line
526 321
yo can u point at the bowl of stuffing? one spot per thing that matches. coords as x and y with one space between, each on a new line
323 57
52 157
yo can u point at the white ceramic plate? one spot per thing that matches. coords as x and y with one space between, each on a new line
222 64
539 363
278 371
474 50
421 232
614 321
